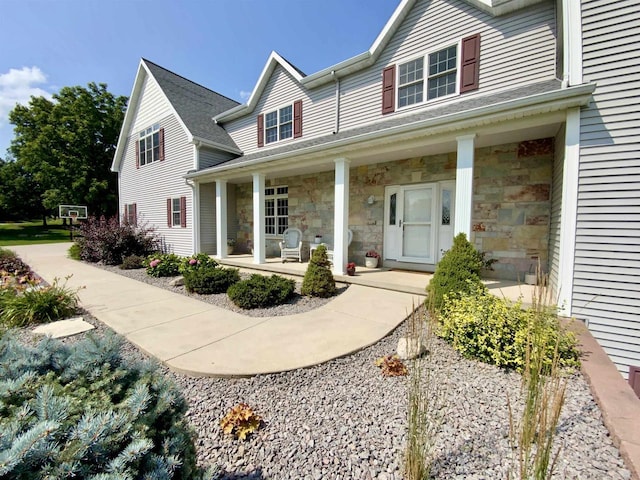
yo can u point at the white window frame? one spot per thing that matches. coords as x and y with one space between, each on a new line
426 77
280 192
175 212
149 134
279 124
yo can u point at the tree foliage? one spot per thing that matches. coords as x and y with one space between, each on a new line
63 149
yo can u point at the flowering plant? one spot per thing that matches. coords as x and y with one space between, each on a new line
198 261
163 265
231 242
351 268
372 254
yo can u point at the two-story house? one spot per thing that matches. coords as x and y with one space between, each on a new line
512 121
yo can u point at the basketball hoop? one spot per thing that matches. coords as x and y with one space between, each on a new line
73 215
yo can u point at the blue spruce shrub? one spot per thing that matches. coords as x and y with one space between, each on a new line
84 411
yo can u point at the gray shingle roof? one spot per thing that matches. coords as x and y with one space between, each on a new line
195 104
447 109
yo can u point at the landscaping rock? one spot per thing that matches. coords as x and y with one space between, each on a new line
64 328
177 282
410 347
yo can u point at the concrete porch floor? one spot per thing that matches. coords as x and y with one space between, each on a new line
385 278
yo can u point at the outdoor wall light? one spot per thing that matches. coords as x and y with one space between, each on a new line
370 200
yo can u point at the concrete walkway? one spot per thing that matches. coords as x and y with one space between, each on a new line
197 338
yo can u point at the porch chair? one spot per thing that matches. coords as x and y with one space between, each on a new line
291 244
349 240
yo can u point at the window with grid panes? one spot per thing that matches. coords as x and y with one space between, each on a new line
278 125
175 212
149 145
276 211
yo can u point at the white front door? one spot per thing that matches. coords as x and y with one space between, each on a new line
418 221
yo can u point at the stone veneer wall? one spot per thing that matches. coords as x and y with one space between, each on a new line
511 203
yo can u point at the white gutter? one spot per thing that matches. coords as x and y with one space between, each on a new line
336 129
208 143
551 101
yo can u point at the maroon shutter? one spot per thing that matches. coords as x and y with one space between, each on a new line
169 216
389 89
183 212
134 214
261 130
126 213
470 63
634 379
297 119
161 135
137 153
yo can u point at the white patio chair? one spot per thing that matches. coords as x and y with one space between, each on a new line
349 240
291 244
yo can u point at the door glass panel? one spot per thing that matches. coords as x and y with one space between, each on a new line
417 205
446 207
392 209
416 241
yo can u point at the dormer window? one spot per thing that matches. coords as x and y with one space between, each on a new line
278 124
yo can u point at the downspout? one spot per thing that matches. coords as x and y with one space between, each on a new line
336 128
195 195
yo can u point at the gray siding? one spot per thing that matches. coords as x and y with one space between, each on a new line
210 158
516 49
208 218
556 214
318 108
150 185
607 264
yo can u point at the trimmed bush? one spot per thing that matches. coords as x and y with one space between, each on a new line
132 262
493 330
260 291
109 241
197 262
84 411
210 280
38 305
457 272
163 265
75 252
318 280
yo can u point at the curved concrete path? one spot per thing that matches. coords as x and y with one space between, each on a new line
197 338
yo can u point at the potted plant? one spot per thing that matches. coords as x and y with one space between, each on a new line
318 239
351 269
231 243
371 259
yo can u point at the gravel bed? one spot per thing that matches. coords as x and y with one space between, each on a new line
297 304
343 420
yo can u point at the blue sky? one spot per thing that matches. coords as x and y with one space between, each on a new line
221 44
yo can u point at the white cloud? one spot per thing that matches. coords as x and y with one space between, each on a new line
244 95
18 86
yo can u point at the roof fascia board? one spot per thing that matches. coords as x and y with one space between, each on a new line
497 8
117 160
543 102
208 143
128 117
274 60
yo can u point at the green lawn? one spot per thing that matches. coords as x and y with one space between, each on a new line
28 233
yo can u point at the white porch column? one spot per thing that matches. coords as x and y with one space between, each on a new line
221 218
569 212
464 185
258 219
196 217
341 217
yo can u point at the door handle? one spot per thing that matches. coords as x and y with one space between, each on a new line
400 225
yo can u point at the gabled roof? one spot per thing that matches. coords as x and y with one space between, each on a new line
272 62
363 60
193 105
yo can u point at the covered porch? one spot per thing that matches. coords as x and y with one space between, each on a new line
406 281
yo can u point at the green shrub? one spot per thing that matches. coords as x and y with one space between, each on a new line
84 411
132 262
457 272
109 240
318 280
38 304
210 280
163 265
197 262
12 264
493 330
260 291
75 252
6 253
